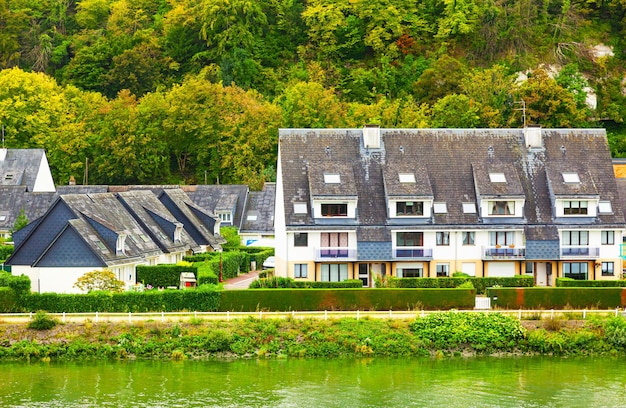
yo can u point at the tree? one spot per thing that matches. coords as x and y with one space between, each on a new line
455 111
20 222
442 78
100 280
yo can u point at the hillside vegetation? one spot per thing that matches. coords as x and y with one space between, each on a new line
194 91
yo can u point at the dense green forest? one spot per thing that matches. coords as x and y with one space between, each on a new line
194 91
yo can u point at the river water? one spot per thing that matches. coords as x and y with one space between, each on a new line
456 382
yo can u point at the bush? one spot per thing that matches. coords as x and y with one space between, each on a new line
280 282
481 331
8 300
481 284
42 321
5 252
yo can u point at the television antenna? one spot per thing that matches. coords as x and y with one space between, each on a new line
523 109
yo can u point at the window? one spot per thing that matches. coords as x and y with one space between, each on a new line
100 245
468 237
576 238
409 208
300 271
332 178
607 268
8 176
440 208
501 238
443 270
469 208
409 272
501 208
334 245
334 210
530 268
251 217
497 178
604 207
301 239
299 208
571 178
3 217
575 207
410 239
443 238
575 270
224 216
406 177
334 272
608 237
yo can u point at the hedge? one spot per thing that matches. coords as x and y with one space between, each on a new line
163 275
232 262
557 298
346 299
5 251
135 302
282 283
575 283
8 300
481 284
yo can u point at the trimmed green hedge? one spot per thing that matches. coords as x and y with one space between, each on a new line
481 284
163 275
575 283
282 283
557 298
233 262
8 300
346 299
148 301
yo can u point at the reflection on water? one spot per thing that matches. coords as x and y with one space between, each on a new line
477 382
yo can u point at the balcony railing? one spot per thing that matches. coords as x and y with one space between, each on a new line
331 253
413 253
504 252
580 252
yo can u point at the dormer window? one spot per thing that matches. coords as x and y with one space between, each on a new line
100 245
299 208
497 178
502 208
335 210
575 207
409 208
406 177
8 176
332 178
225 216
440 208
120 245
177 233
571 178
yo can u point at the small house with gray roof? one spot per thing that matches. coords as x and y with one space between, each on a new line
369 203
227 202
257 225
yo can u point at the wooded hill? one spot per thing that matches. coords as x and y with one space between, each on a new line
193 91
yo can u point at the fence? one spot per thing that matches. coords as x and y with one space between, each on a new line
358 314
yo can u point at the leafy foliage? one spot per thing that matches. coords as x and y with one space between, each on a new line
42 321
99 280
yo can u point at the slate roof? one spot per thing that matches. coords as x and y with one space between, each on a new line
20 167
214 198
452 166
13 199
259 213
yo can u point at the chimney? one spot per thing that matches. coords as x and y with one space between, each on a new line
3 154
532 136
371 136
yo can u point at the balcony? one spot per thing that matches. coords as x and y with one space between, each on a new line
580 252
335 253
503 252
413 253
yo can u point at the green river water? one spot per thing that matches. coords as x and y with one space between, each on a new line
457 382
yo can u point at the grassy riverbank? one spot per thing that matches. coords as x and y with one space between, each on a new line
438 335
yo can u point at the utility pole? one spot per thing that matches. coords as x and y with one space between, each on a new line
523 109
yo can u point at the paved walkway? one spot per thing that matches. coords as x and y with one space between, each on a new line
241 281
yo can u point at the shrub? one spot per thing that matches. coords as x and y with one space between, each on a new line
574 283
99 280
42 321
8 300
163 275
557 298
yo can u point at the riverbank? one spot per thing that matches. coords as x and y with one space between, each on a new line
439 335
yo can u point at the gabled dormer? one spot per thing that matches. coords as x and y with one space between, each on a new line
574 194
408 192
333 190
499 191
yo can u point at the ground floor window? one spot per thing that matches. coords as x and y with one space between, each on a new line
443 270
576 270
410 273
334 272
607 268
300 270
